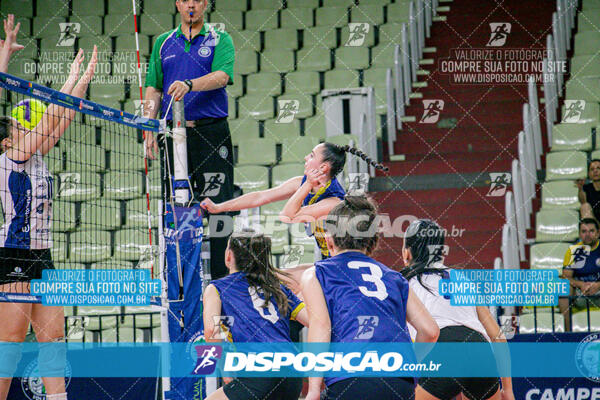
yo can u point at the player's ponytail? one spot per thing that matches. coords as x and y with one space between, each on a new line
422 238
336 155
252 253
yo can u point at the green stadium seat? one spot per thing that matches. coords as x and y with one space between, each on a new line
59 246
116 141
279 239
341 79
585 66
587 43
122 335
352 58
391 33
590 5
320 36
126 43
590 113
556 225
112 264
541 323
300 239
266 4
156 24
47 27
342 140
22 8
257 152
84 8
63 216
371 13
237 89
54 160
305 104
133 245
159 7
566 165
89 246
581 323
89 25
68 265
583 88
156 335
353 40
305 82
568 136
86 157
315 126
136 215
23 68
292 4
259 107
588 20
279 131
246 62
140 318
105 93
595 155
548 255
101 214
232 108
251 178
333 17
123 7
376 77
294 150
242 129
338 3
128 160
78 186
245 40
233 19
559 194
104 43
52 8
282 173
294 255
30 51
118 24
277 61
231 5
297 18
314 59
123 185
261 20
79 134
281 39
399 12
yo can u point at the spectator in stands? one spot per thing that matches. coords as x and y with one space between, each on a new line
589 193
195 63
581 267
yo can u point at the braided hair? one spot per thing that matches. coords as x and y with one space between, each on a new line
336 156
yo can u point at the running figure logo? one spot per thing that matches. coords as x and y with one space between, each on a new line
437 253
508 325
140 106
573 111
366 326
579 255
287 111
68 33
292 255
500 31
212 183
207 359
357 34
499 183
431 111
358 183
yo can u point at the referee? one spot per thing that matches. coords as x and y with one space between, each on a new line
195 63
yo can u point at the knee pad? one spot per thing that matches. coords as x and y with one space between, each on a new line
10 355
52 358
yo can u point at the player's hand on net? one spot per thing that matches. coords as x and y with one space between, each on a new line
151 145
11 34
76 67
210 206
178 89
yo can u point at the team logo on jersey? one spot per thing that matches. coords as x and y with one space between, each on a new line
357 34
204 51
587 357
68 33
208 355
500 31
225 324
358 183
212 183
366 326
499 182
17 271
431 111
579 255
292 255
287 111
32 384
437 253
573 111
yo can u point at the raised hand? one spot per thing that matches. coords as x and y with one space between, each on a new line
11 34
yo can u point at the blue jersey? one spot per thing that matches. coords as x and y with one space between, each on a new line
244 316
333 188
366 300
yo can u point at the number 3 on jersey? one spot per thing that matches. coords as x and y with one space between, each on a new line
374 277
259 305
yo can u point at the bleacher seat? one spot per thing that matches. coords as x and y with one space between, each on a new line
231 5
68 265
63 216
251 178
590 113
140 317
242 129
278 61
587 43
122 335
297 18
352 40
306 82
257 152
261 20
282 173
117 24
333 17
341 79
279 131
305 104
101 214
315 126
136 214
548 255
266 4
44 27
257 107
126 43
583 88
567 136
281 39
292 4
23 68
582 324
370 13
264 84
52 8
556 225
112 264
352 58
156 24
104 43
246 62
541 323
78 186
59 246
123 7
566 165
89 25
89 246
54 160
376 77
314 59
233 19
560 194
245 40
272 209
338 3
121 185
587 20
18 8
399 12
279 239
133 245
590 5
86 157
585 66
294 150
84 8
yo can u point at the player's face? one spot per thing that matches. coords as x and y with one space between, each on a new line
588 234
594 171
195 7
314 159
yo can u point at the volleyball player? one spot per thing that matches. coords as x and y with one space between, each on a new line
468 324
344 290
26 195
250 305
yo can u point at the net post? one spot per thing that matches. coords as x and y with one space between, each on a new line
182 187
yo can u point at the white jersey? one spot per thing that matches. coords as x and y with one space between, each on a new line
439 307
26 195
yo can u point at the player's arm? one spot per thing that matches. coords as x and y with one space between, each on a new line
418 316
292 277
211 305
254 199
319 323
502 357
151 102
